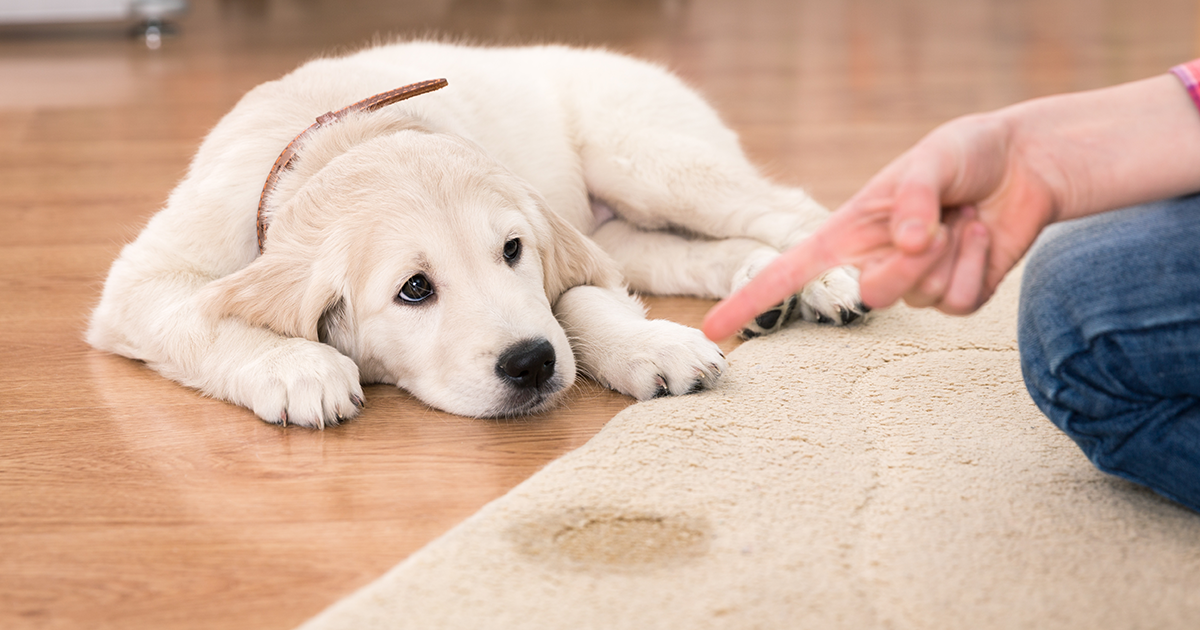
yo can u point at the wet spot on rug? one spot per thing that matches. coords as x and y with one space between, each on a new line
613 540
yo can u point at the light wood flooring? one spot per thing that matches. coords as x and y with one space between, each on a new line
127 501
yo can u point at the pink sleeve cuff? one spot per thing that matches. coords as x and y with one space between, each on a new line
1189 74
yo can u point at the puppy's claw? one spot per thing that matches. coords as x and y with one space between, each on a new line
661 388
851 315
845 315
358 402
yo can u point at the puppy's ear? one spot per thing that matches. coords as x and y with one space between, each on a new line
571 259
275 291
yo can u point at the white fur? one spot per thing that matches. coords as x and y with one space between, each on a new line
513 149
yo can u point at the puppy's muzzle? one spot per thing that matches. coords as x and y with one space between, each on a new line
527 364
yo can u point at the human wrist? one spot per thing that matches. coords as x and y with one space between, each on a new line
1110 148
1038 160
1189 76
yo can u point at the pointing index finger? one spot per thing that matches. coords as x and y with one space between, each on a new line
784 276
856 231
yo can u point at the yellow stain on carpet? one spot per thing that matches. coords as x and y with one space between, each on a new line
610 540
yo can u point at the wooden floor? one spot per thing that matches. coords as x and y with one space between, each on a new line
127 501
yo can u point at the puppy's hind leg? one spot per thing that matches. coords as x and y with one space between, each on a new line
661 179
662 262
666 263
704 187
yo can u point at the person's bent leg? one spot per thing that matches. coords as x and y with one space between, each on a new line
1109 333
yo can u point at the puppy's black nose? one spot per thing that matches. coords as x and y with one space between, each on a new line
527 363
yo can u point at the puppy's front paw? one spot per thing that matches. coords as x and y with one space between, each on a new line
662 358
833 298
304 383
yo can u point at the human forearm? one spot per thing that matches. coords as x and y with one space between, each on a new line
1110 148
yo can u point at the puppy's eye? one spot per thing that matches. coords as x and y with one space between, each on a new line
512 250
416 289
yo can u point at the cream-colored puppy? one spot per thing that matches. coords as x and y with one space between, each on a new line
442 243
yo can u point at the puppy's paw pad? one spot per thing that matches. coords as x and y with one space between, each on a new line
770 321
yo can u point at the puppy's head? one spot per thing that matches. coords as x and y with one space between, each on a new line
431 266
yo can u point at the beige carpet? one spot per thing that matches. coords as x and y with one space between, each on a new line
890 475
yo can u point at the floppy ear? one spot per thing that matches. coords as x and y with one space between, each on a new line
275 291
570 259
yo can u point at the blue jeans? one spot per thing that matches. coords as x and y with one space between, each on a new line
1109 333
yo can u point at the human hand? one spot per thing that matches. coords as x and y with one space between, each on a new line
940 226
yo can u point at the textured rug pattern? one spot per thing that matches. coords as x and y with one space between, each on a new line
888 475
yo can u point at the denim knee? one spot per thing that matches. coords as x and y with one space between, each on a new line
1109 333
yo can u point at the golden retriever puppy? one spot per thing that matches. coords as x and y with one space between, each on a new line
474 245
